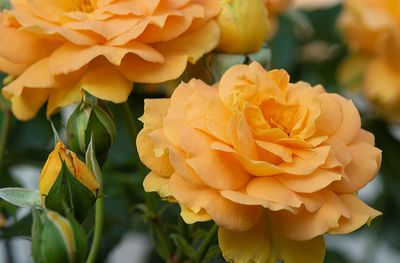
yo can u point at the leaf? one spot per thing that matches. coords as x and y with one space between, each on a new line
92 163
69 191
21 197
212 253
21 228
183 246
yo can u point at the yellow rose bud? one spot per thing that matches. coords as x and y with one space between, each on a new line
66 184
75 166
244 25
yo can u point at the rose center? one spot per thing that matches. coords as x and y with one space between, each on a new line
87 6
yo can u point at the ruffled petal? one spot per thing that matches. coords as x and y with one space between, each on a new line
253 245
272 189
62 97
60 61
361 214
27 105
194 45
156 183
309 183
217 169
305 225
363 167
225 213
191 217
105 82
157 161
154 112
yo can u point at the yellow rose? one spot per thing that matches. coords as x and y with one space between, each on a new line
244 26
75 166
58 48
382 87
275 164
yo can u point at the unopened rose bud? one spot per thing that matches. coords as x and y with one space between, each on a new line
66 182
244 26
57 239
90 120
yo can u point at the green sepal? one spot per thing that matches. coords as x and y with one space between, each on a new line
88 120
79 238
76 128
221 62
37 227
52 245
68 193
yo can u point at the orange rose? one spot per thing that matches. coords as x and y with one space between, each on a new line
58 48
366 24
372 30
382 87
276 165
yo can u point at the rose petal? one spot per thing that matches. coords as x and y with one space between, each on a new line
360 215
225 213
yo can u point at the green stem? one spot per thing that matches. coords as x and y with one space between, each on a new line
133 130
205 245
99 217
99 220
5 127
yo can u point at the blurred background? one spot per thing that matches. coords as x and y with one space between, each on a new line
308 44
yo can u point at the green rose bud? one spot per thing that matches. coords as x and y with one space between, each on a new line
57 239
88 120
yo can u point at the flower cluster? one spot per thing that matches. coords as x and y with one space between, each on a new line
58 48
276 165
372 30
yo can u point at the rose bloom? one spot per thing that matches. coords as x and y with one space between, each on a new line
276 165
372 30
58 48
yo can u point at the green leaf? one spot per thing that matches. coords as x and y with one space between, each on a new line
21 228
212 253
21 197
67 191
183 246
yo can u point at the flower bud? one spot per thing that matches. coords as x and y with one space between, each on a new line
66 182
57 239
244 25
88 120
